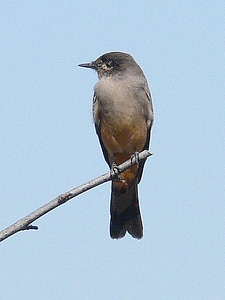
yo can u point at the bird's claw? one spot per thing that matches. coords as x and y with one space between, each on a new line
115 173
135 158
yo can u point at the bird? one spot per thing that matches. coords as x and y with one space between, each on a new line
123 117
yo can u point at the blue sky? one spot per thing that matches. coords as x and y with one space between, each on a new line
48 146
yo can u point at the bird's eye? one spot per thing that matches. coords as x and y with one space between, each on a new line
109 63
99 63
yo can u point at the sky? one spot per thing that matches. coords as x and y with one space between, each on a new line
48 146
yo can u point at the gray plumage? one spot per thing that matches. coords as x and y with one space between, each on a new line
123 116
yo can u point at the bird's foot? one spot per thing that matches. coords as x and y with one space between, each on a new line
135 158
115 173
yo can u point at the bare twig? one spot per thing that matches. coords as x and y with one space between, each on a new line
24 224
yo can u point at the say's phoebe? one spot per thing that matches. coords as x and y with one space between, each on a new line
123 116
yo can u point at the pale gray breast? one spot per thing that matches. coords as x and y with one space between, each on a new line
121 96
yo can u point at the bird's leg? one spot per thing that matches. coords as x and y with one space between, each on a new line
115 173
135 158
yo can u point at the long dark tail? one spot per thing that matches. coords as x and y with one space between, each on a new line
125 212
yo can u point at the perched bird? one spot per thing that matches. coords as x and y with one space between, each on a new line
123 117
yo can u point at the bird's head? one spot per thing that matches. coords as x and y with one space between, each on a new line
111 63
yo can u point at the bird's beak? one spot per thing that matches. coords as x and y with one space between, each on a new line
90 65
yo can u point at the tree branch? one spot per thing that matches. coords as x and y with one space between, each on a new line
24 223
